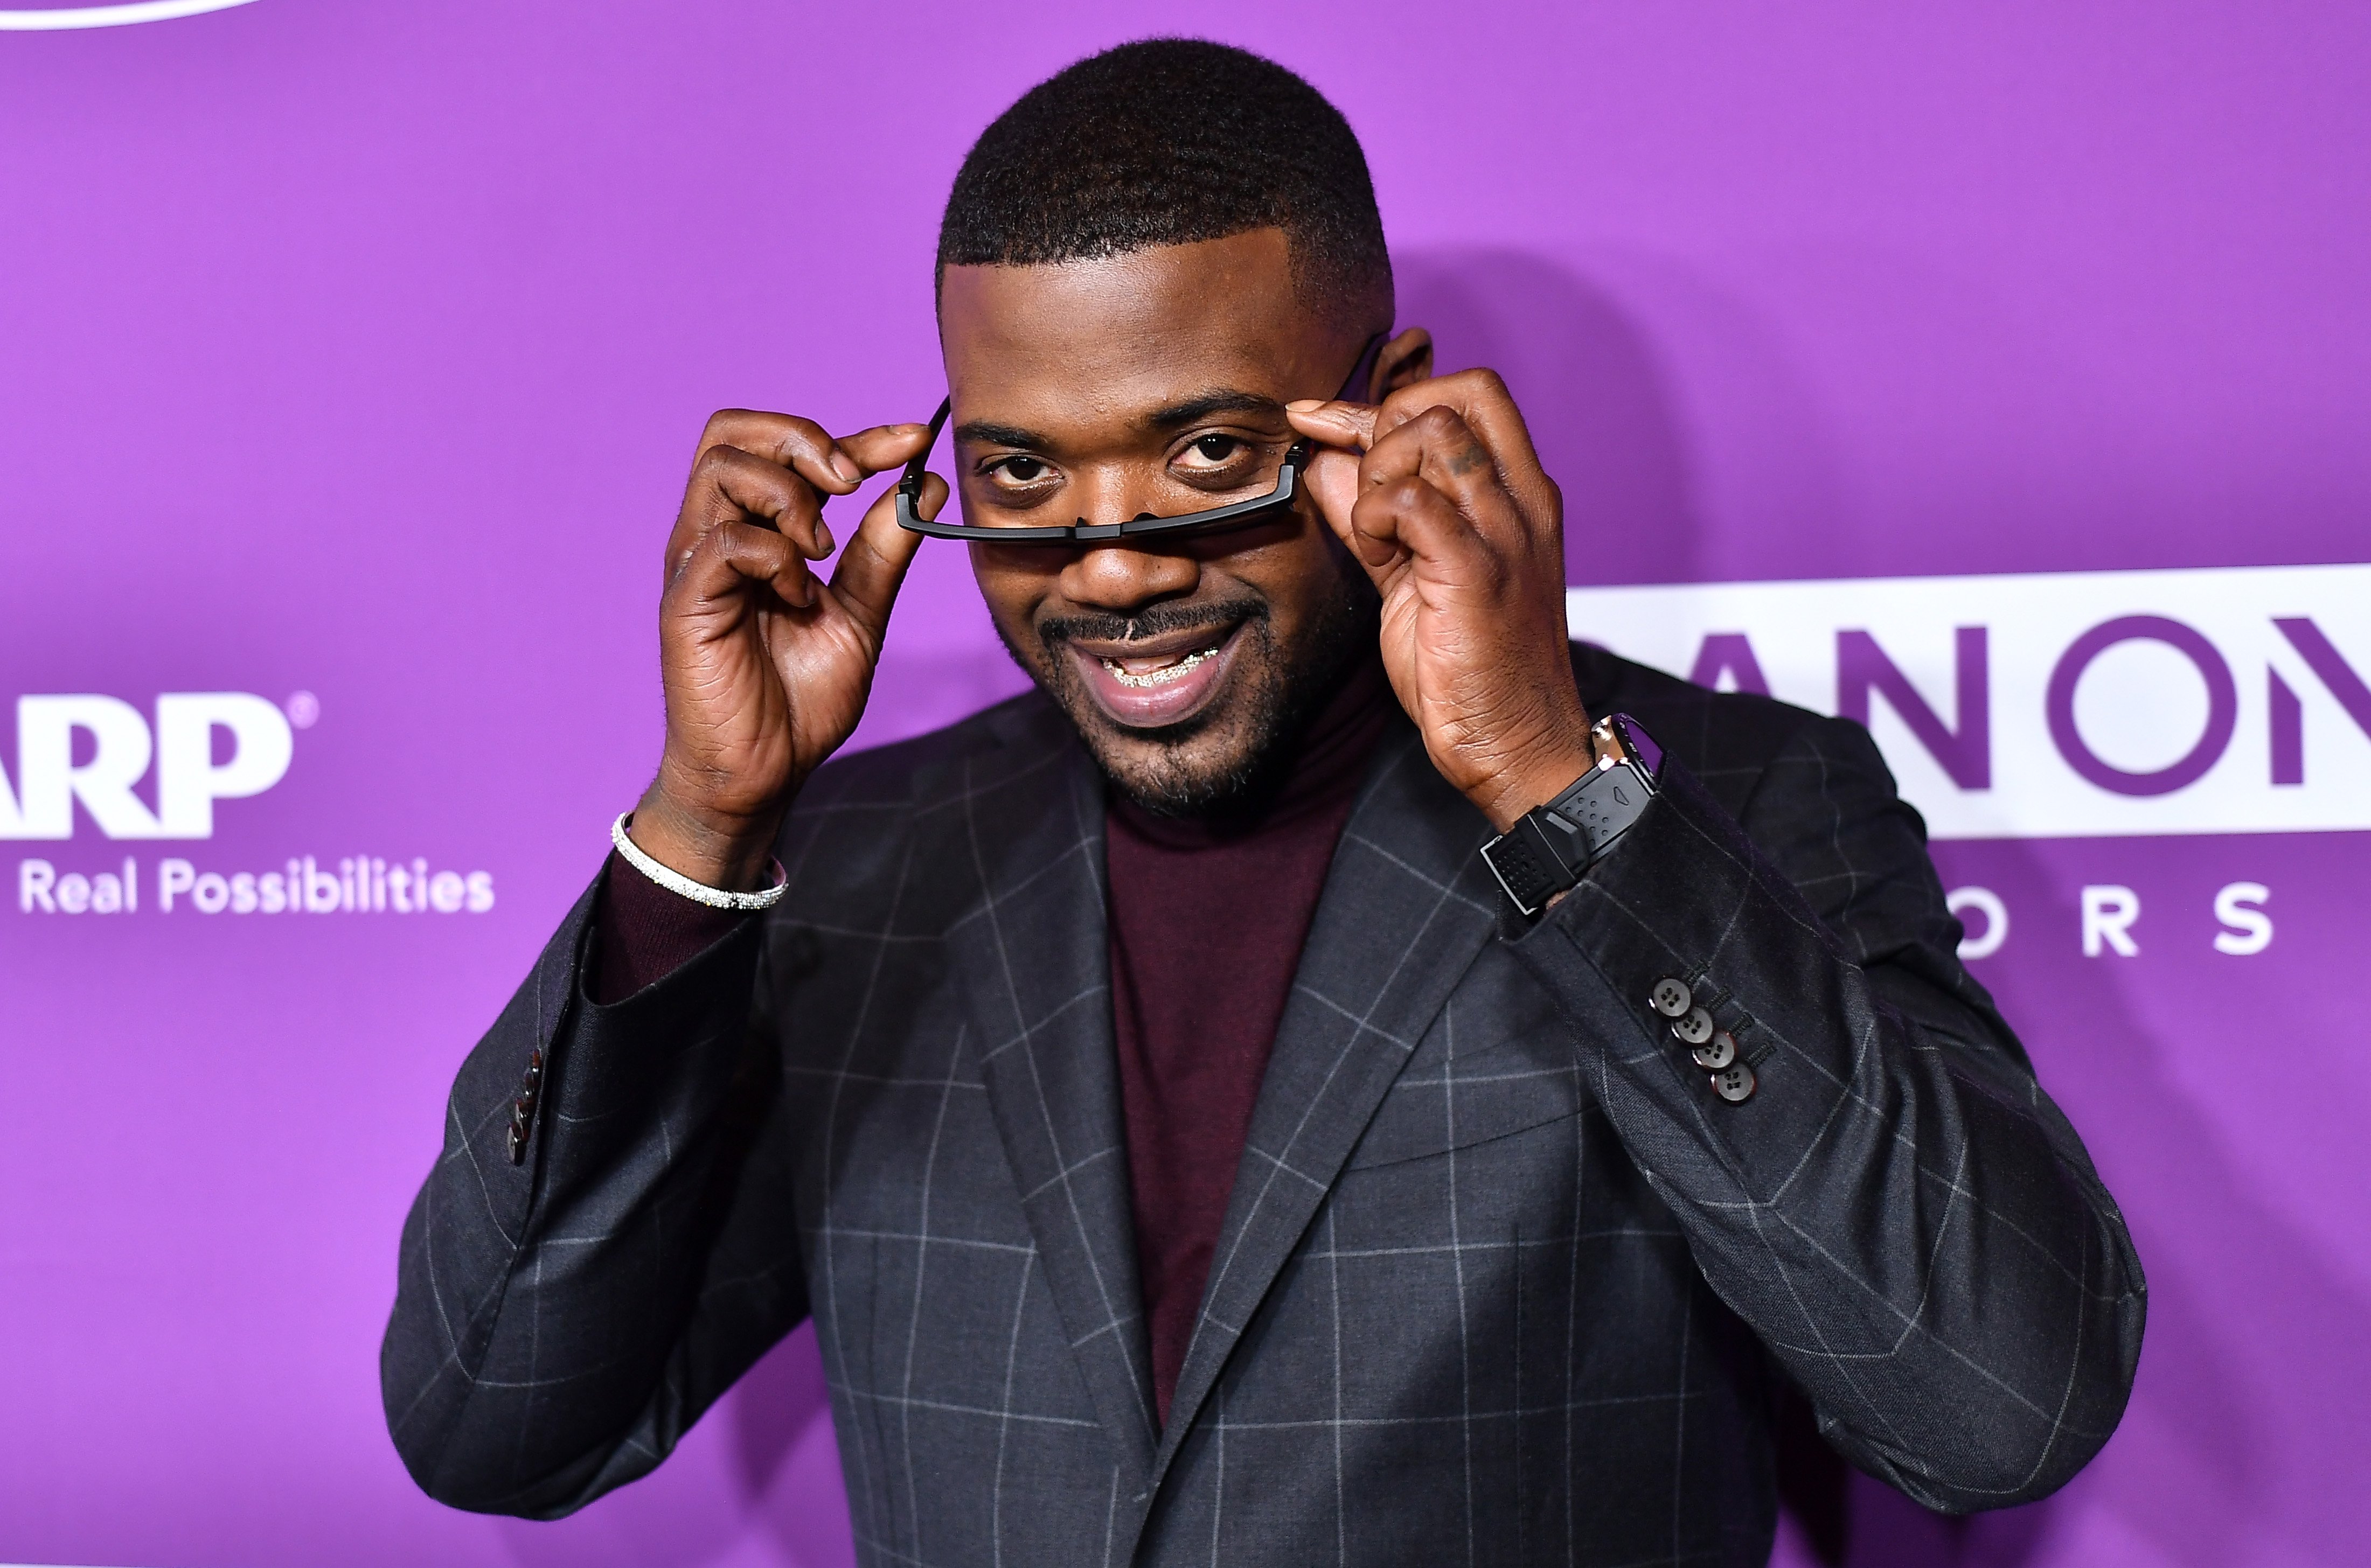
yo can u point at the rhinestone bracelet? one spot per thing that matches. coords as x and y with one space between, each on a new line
699 893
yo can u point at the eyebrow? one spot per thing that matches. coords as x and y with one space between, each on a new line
1169 416
988 434
1226 400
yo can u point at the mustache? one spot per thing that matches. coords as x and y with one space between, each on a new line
1156 620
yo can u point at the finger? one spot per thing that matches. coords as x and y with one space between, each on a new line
1480 399
723 561
1439 448
1334 422
1408 521
800 445
729 485
884 446
874 565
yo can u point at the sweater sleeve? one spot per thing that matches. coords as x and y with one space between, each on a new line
643 933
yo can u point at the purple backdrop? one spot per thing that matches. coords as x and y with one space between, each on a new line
358 351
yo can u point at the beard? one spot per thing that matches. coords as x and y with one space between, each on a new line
1231 755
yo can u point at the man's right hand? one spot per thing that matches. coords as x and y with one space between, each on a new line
766 667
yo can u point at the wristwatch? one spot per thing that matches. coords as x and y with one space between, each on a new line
1551 847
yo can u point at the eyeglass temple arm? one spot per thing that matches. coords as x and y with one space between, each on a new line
909 485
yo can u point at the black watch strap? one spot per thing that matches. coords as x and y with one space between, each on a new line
1551 847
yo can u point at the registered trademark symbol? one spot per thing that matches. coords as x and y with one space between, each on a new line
303 710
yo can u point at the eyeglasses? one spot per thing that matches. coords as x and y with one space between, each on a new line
1213 520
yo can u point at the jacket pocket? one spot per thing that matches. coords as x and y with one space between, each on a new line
1497 1096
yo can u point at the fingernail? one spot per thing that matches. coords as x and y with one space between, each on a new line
823 538
849 472
1305 405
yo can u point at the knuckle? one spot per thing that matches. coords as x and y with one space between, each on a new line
749 546
716 457
803 435
1437 423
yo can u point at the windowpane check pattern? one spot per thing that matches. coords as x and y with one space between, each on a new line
1500 1281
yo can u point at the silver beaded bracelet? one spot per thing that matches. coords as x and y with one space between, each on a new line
699 893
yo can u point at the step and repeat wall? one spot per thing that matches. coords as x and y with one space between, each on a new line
1995 375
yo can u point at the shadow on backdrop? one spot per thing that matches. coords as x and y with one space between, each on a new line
2198 1469
1587 381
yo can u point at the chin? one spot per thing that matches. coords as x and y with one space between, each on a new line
1212 769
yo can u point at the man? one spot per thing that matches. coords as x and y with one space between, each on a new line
1336 1073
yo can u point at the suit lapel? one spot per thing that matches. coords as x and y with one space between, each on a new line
1028 821
1407 905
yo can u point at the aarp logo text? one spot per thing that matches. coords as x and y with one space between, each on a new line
117 746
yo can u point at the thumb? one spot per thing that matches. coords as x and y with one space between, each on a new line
1333 480
1343 431
874 565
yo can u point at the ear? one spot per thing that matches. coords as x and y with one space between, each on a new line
1402 361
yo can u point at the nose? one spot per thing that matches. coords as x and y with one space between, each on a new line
1122 579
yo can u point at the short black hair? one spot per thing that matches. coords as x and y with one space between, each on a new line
1167 141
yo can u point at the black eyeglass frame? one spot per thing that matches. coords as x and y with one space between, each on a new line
1212 520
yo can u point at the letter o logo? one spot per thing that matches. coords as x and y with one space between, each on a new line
2222 705
109 16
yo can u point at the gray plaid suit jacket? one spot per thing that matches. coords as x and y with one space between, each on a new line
1502 1280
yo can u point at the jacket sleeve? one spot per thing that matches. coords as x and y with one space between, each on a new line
561 1322
1898 1212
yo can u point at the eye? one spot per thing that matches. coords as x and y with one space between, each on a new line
1017 469
1216 461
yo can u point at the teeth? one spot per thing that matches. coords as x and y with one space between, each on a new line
1162 677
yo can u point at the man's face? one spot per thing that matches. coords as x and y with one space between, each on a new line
1155 383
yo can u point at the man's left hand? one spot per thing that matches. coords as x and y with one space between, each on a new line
1438 493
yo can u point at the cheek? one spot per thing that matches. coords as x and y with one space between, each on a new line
1300 579
1013 589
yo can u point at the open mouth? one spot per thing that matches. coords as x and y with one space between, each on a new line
1161 675
1162 681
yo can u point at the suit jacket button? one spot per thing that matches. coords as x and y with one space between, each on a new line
1716 1053
518 1144
1734 1083
1670 997
1694 1029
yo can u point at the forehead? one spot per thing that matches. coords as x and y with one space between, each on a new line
1058 344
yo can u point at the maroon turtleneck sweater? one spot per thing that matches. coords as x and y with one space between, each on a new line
1206 920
